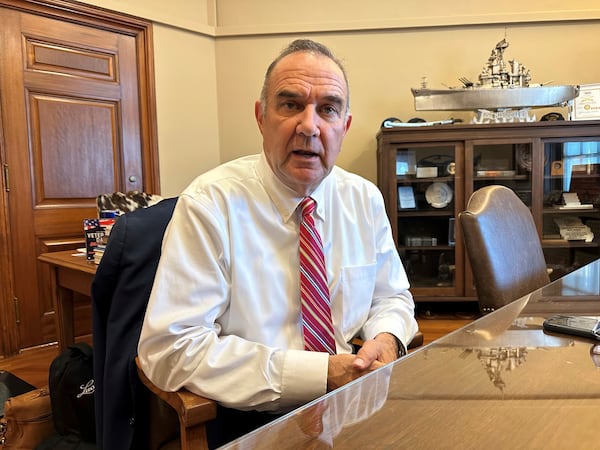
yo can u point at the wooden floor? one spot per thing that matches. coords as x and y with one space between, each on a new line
32 364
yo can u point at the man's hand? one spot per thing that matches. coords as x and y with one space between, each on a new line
373 354
342 369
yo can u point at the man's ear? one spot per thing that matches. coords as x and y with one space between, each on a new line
258 114
348 122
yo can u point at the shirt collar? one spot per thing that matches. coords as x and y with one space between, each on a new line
285 199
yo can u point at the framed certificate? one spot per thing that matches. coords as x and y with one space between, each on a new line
586 106
406 197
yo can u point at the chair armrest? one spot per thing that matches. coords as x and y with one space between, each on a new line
192 408
416 341
193 411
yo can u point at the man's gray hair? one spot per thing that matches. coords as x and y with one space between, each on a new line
303 45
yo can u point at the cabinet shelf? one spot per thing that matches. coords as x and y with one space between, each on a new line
425 212
571 211
500 177
561 243
426 247
429 282
573 176
403 179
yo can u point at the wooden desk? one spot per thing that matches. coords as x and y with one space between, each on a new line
500 382
71 272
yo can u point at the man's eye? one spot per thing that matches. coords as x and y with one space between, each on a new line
329 110
291 106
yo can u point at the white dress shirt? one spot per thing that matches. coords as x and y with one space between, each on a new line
224 315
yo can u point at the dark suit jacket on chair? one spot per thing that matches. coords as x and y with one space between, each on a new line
120 293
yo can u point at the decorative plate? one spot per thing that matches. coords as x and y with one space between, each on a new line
438 195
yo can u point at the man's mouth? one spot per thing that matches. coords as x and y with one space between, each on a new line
305 153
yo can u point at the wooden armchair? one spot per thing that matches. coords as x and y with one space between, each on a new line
416 341
193 411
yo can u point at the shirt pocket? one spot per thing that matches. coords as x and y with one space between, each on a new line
357 285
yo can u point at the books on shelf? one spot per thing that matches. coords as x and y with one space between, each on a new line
574 207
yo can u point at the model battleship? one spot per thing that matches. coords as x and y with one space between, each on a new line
500 86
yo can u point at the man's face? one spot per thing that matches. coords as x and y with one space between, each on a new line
304 120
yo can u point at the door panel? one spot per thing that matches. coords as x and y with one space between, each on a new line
45 57
72 130
62 171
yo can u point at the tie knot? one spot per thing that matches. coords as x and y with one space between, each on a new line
307 206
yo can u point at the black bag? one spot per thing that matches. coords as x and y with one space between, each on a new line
71 384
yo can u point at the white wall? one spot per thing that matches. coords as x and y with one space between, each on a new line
192 15
211 56
186 99
384 65
281 16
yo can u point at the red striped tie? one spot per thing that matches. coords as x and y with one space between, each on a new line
314 292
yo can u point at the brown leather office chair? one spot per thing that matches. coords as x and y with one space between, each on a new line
503 247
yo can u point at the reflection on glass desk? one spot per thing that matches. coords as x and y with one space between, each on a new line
499 382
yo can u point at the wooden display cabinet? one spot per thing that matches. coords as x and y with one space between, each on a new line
427 174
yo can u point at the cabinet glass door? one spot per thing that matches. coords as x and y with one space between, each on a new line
505 163
426 205
571 211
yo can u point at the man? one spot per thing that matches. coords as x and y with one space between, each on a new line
225 314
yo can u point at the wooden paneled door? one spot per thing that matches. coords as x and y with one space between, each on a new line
77 119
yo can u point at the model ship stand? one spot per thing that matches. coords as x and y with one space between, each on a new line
503 116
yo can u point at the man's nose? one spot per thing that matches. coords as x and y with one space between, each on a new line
308 122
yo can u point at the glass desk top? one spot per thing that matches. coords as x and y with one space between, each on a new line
499 382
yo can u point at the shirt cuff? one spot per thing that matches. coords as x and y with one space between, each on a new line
304 377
